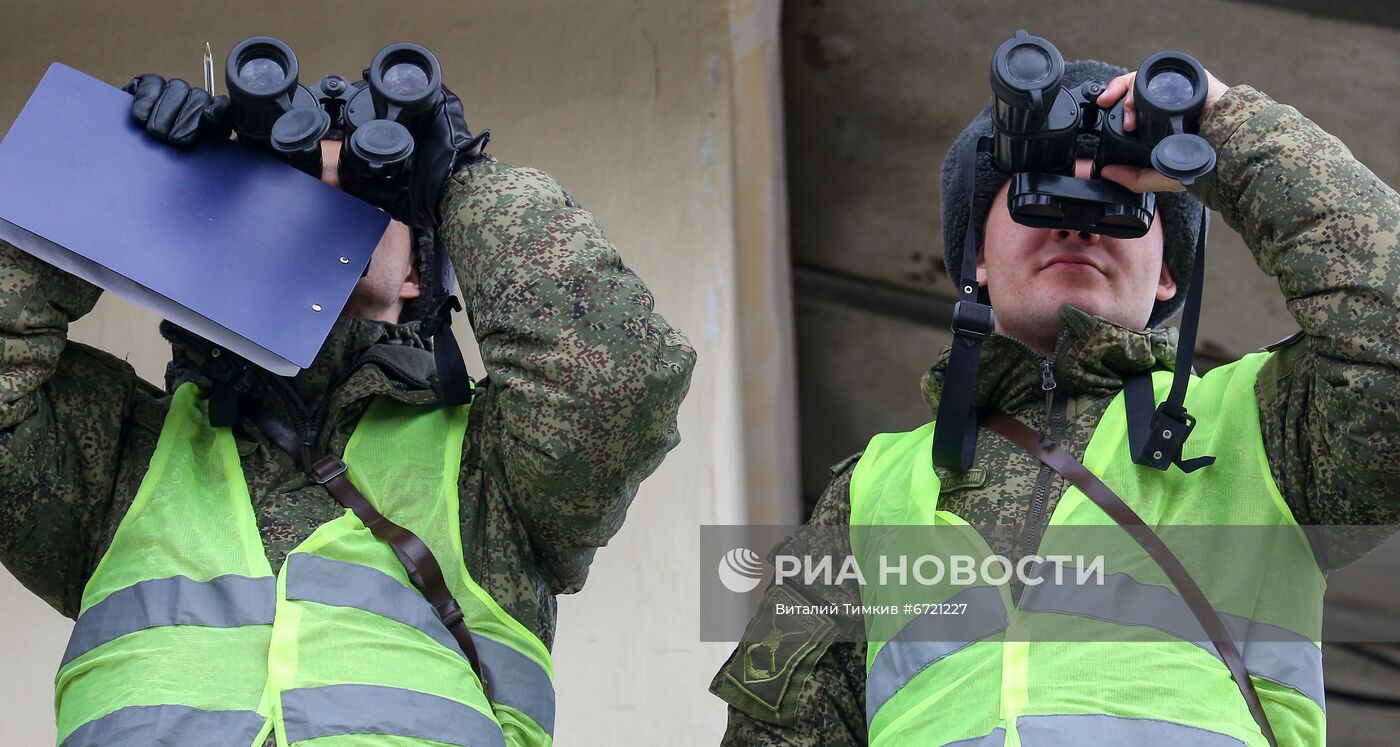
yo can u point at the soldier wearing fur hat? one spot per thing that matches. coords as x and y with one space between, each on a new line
1309 425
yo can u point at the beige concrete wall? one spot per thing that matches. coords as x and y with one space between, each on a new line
633 105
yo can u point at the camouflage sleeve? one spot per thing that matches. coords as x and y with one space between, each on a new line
786 684
586 377
62 411
1328 229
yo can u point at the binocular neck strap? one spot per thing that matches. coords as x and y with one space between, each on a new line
223 369
1157 434
452 385
955 437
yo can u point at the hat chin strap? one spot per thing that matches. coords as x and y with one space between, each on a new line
1156 434
955 437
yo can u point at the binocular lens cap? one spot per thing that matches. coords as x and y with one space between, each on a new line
1027 65
382 141
299 129
1183 157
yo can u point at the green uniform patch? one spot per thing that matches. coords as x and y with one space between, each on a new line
776 656
951 482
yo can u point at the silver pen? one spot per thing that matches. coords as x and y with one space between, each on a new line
208 69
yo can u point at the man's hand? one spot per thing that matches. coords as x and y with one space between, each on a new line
441 145
1132 177
176 113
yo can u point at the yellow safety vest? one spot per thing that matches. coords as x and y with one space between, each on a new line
187 637
1112 658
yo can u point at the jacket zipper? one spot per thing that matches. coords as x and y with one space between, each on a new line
1055 405
307 424
323 410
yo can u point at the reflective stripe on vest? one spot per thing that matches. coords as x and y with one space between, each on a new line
223 602
516 680
1073 730
142 726
928 638
996 738
1269 651
337 710
1017 675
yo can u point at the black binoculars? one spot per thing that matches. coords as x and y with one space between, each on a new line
273 111
1037 123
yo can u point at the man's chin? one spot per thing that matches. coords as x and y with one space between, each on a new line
1087 302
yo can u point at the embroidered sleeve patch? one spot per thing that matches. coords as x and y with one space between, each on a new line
775 658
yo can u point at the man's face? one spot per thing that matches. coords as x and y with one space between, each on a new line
393 272
1030 272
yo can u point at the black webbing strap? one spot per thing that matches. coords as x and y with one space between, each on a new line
417 559
452 385
1049 453
222 369
1157 433
955 438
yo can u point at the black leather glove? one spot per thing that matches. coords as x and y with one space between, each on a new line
174 112
441 145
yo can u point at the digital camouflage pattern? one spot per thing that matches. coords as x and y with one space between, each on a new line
1316 219
584 383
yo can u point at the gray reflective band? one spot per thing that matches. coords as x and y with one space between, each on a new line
1270 652
143 726
995 738
1073 730
928 638
223 602
516 680
313 578
370 709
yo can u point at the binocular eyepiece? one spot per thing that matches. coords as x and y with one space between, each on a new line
272 110
261 73
1037 124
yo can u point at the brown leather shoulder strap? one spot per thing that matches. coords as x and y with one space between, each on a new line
1050 453
417 559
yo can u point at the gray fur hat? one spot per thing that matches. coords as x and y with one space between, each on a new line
1179 212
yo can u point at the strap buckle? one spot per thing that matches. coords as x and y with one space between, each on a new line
327 468
972 319
1166 434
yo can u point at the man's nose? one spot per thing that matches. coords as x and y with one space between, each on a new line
1079 237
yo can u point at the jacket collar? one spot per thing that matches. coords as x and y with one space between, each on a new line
1092 357
359 356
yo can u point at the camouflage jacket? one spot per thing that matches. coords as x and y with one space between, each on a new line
1316 219
584 383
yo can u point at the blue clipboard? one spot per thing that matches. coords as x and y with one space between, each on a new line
225 241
